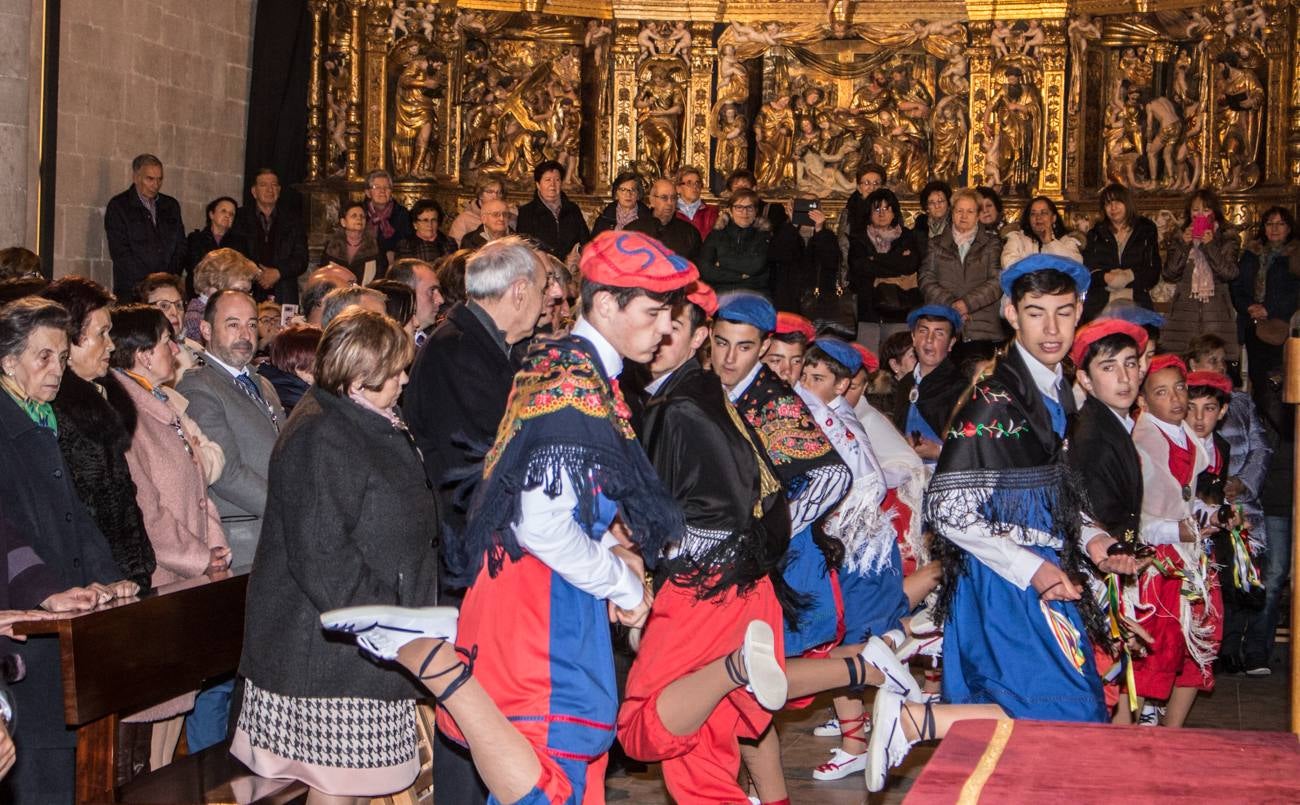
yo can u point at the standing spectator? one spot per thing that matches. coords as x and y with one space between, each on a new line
626 206
387 221
991 217
353 246
735 257
1200 265
428 243
961 271
42 504
771 214
1268 287
550 218
144 228
238 411
1042 231
290 367
665 223
495 225
423 280
454 402
96 419
17 263
856 216
471 218
800 258
451 281
217 234
351 520
691 208
171 486
936 198
1122 253
277 241
221 270
268 324
883 262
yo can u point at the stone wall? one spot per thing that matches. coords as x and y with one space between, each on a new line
19 62
169 77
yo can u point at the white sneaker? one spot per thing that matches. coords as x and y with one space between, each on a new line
1262 670
828 729
898 679
382 630
1150 716
926 639
888 745
766 677
841 765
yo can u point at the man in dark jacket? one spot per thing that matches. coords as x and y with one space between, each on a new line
455 399
663 224
144 229
550 218
276 239
735 257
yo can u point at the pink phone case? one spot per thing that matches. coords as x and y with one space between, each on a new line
1201 224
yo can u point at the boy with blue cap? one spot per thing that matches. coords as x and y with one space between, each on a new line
925 399
1007 521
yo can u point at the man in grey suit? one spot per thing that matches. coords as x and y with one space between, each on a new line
238 410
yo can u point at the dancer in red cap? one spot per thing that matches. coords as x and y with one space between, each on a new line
790 341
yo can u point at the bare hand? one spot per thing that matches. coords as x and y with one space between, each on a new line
927 449
1187 236
11 616
961 307
124 589
1113 276
1053 584
76 599
635 617
270 276
818 218
1189 531
219 560
1257 312
7 752
1207 236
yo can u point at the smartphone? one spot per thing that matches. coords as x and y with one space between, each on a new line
287 314
1202 222
802 206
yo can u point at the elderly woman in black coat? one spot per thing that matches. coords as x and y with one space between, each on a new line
42 504
96 420
350 519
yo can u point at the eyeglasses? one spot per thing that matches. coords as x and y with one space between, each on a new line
627 189
690 182
167 304
268 320
743 207
664 198
427 220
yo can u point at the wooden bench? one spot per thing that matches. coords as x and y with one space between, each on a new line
125 657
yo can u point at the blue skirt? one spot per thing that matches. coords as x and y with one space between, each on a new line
875 602
805 572
1001 647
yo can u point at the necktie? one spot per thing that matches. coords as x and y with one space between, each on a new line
250 387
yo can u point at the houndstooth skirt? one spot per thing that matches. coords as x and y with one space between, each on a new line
340 746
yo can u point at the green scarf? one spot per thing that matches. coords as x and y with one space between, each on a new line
42 413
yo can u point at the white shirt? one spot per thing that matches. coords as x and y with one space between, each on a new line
548 531
1047 380
689 210
652 388
209 357
739 389
1174 433
1168 532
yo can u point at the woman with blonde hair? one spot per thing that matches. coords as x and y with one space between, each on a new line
351 520
219 270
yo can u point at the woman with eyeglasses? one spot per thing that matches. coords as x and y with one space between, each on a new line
936 212
883 264
735 257
625 207
429 243
1268 288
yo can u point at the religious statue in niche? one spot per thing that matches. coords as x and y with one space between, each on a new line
418 89
660 104
1013 127
1239 119
337 65
1082 29
728 124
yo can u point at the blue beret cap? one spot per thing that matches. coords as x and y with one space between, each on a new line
747 307
1044 262
937 312
1134 314
840 352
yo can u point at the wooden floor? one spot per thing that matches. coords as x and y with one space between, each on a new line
1239 702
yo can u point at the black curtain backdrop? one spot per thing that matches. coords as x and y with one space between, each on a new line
277 99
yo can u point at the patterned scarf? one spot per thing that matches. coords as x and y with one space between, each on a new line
1202 275
380 219
964 240
387 413
883 239
42 413
624 217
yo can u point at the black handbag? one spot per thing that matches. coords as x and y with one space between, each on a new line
838 307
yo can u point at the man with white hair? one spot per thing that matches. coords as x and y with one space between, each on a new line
454 400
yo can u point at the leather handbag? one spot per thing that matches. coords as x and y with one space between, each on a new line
1273 331
838 307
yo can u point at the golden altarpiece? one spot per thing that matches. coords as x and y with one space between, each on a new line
1052 98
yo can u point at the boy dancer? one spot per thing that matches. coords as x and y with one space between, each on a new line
925 399
1016 629
1179 588
790 340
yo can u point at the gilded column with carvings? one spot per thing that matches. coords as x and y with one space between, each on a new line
703 55
1052 58
375 87
1292 17
981 89
315 95
352 133
1276 119
624 54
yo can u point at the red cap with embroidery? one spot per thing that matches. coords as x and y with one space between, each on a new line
792 323
869 360
703 297
1166 361
634 260
1098 329
1214 380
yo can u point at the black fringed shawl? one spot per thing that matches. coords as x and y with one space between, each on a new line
1002 463
563 420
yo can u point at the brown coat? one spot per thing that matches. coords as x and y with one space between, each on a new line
1189 318
945 278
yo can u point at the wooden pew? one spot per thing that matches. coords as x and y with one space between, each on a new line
126 656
